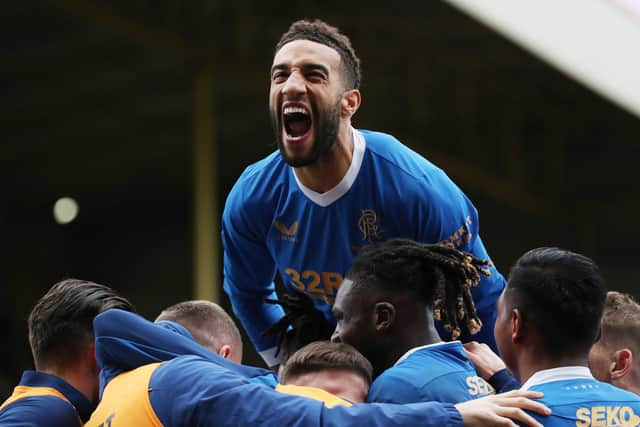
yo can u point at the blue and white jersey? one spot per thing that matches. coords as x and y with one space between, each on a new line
272 222
436 372
577 399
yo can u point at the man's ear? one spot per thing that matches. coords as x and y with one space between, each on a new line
350 103
622 364
225 351
384 316
517 326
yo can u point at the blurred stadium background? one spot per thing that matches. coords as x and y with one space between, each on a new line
145 112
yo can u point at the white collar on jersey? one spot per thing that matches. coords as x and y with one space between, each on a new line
413 350
557 374
326 198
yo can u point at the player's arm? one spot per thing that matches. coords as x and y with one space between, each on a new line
191 397
248 275
194 399
490 367
125 341
503 410
449 216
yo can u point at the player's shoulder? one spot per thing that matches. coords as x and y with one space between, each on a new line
449 356
416 382
260 181
187 369
395 154
394 385
271 167
181 383
584 390
40 411
579 402
396 163
609 389
417 369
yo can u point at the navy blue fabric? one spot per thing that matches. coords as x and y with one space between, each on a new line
47 411
503 381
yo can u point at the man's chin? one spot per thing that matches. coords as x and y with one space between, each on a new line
297 159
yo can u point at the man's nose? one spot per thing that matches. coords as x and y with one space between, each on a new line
295 84
335 337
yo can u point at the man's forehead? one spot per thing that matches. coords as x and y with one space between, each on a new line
507 297
344 292
298 52
502 296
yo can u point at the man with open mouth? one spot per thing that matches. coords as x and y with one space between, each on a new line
330 190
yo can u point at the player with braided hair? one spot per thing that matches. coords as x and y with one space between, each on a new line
386 308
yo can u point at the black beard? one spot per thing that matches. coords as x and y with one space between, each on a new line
326 124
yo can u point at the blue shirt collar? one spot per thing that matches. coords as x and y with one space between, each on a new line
41 379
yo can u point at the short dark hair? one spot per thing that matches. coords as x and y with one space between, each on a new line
207 322
561 295
323 356
435 274
621 322
320 32
61 322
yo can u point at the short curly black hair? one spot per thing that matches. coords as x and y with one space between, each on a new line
320 32
562 296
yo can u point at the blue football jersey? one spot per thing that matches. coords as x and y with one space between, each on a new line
577 399
437 372
271 222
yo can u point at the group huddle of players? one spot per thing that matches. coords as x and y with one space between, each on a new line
384 277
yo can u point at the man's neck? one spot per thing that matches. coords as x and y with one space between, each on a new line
531 362
418 338
328 171
77 380
629 382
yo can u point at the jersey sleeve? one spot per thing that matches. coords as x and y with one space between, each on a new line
249 270
190 392
503 381
450 217
125 341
